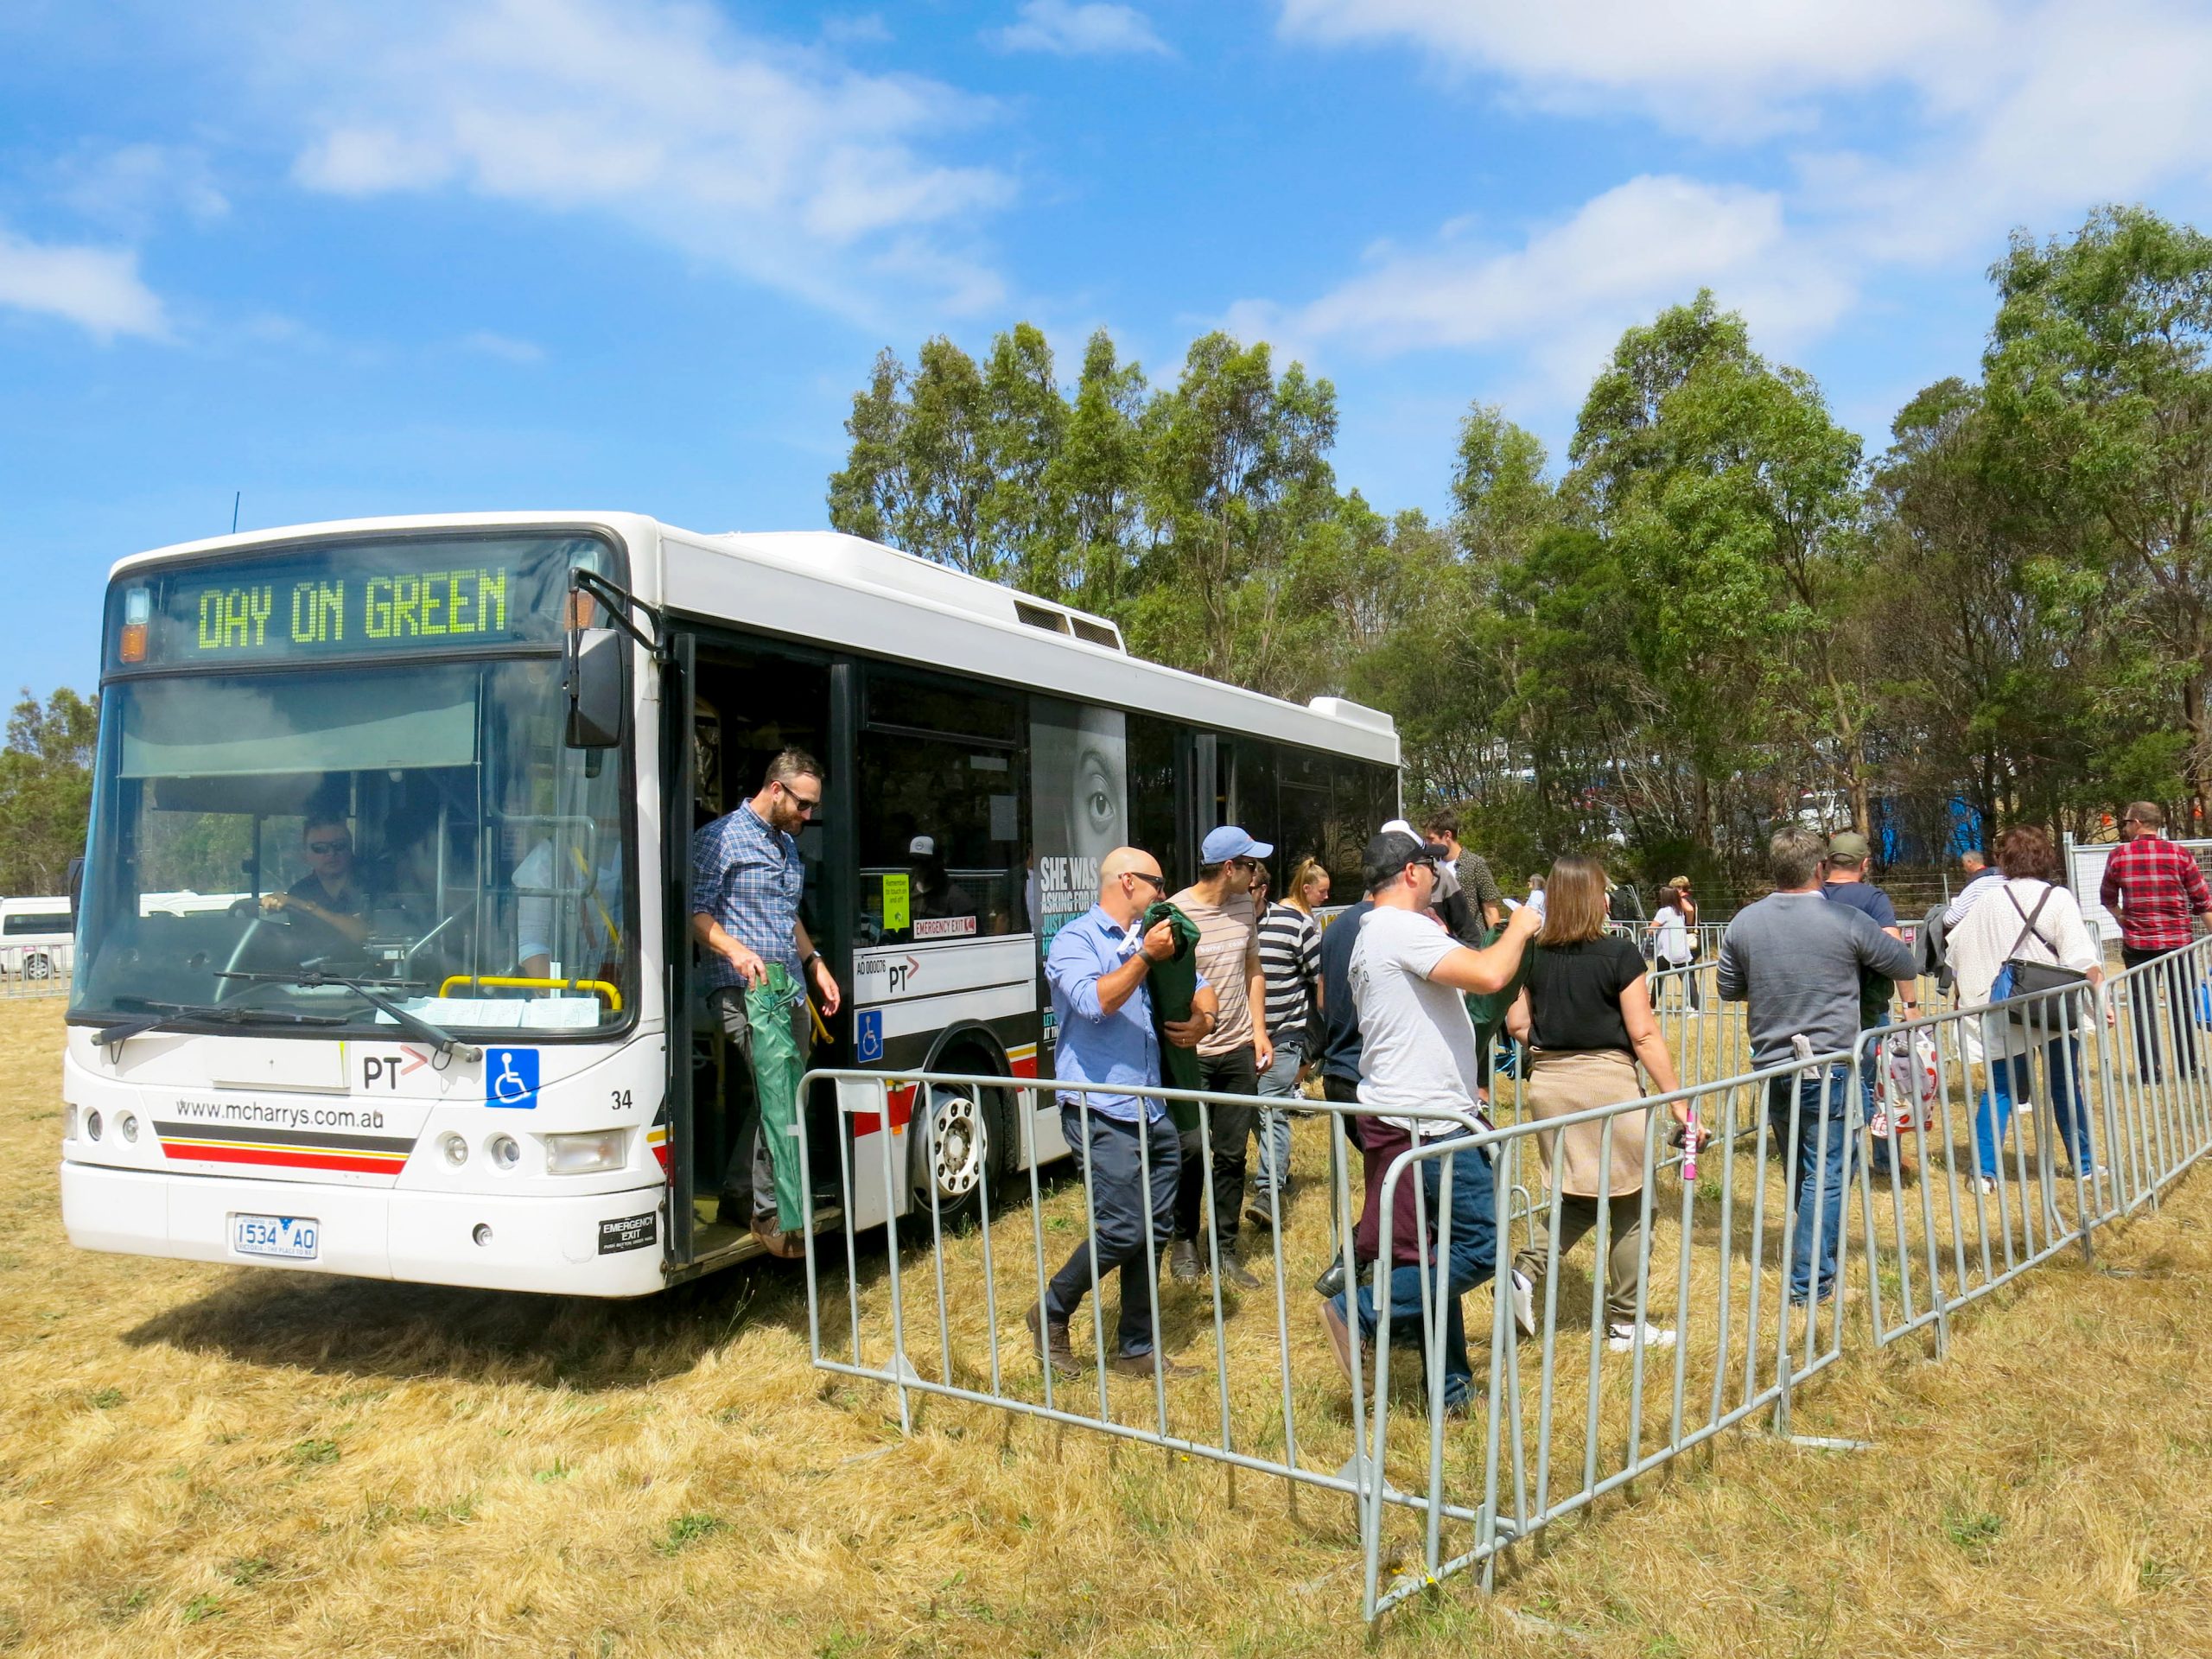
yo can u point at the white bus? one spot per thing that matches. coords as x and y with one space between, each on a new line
34 938
501 1074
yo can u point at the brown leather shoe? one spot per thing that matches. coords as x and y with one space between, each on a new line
1054 1350
784 1247
1141 1365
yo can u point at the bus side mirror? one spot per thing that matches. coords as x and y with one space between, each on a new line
591 671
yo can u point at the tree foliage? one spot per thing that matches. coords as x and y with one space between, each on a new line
46 790
1719 617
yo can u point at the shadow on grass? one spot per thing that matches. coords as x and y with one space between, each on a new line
373 1328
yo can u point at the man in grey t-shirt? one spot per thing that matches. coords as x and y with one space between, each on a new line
1796 959
1417 1054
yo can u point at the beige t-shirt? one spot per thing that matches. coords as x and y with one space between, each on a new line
1229 955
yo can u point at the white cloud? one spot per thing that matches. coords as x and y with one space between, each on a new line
97 289
1716 67
1069 29
1992 113
1561 297
779 162
506 347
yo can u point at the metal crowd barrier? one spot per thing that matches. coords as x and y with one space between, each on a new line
36 969
1561 1411
951 1324
2109 1107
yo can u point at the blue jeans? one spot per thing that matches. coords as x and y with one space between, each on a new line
2013 1080
1278 1081
1819 1162
1474 1259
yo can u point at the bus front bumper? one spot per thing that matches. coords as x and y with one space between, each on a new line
594 1245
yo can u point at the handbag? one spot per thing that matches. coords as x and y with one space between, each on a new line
2022 977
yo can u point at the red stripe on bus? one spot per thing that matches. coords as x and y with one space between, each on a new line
902 1112
1023 1067
286 1160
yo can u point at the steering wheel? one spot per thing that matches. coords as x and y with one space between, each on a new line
262 919
452 923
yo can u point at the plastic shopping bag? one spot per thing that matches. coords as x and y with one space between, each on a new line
1912 1084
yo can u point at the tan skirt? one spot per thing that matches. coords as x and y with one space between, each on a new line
1574 1080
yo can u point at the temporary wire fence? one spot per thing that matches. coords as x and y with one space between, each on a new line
1716 1285
38 968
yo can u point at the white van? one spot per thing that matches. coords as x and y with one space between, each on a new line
36 938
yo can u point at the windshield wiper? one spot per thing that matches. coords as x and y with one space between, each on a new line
169 1014
413 1024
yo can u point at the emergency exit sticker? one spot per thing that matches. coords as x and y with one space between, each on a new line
897 910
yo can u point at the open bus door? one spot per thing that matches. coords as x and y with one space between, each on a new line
679 680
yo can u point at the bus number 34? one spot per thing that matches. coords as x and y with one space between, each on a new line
621 1100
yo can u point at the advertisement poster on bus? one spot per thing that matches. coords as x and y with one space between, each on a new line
1078 766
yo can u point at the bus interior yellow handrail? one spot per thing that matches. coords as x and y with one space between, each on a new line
524 983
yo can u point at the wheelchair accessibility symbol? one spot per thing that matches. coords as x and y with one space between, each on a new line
511 1077
868 1036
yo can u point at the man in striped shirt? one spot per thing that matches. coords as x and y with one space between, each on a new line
1290 961
1232 1055
2153 889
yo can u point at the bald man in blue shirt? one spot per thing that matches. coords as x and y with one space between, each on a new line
1102 1011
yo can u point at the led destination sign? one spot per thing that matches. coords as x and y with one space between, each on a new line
430 605
362 599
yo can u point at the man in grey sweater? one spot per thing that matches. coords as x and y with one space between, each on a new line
1796 959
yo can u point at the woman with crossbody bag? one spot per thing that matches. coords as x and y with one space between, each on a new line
2027 937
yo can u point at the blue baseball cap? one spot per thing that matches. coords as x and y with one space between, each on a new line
1228 841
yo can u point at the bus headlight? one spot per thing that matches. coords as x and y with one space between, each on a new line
505 1151
130 1127
92 1125
455 1149
583 1154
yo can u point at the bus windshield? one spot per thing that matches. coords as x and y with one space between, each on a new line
421 829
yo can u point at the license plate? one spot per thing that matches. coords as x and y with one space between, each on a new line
293 1236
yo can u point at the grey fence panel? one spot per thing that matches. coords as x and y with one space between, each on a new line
37 968
1948 1203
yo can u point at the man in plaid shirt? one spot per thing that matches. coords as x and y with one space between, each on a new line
2153 888
745 882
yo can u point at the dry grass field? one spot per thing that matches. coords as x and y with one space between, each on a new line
203 1460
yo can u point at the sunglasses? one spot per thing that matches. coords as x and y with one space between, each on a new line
805 803
1157 883
330 847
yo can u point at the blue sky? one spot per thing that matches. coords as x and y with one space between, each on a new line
435 255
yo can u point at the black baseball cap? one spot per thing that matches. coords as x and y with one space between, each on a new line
1389 854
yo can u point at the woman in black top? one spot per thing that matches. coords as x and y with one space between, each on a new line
1586 1011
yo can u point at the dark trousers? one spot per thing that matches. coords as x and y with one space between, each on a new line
1346 1092
2143 1014
1231 1132
1869 1071
1114 1155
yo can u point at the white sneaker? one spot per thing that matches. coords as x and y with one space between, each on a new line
1620 1338
1985 1182
1525 1303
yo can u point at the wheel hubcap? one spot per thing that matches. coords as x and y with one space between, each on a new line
957 1124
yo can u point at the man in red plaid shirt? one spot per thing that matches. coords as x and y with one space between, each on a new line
2153 888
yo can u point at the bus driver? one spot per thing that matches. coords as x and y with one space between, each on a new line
330 901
